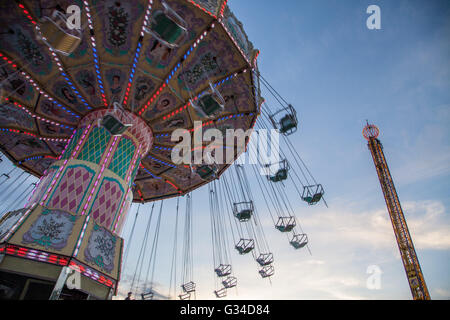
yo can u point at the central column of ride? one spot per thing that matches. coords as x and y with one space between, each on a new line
95 173
74 217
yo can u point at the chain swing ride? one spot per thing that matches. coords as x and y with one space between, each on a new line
90 112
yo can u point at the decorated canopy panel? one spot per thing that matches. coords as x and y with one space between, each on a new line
46 93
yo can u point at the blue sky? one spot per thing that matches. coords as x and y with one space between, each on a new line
322 58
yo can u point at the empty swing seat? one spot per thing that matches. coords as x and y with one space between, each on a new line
188 287
147 296
210 103
245 246
230 282
285 224
288 124
167 27
285 120
222 293
57 36
185 296
281 175
312 194
244 215
265 259
223 270
299 241
114 126
243 211
206 172
267 271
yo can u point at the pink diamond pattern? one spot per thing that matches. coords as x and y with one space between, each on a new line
71 190
107 203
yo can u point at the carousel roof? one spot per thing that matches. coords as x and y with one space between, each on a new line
45 94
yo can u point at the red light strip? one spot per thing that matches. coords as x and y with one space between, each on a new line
27 13
33 254
152 98
178 110
173 72
92 274
33 135
222 9
203 125
235 43
38 116
55 57
203 9
256 58
169 182
34 84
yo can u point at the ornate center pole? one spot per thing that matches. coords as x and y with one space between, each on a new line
95 173
78 209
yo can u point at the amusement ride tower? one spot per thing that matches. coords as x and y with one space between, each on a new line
410 261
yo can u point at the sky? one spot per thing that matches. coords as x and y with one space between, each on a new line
337 73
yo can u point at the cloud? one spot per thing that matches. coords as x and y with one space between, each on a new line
427 220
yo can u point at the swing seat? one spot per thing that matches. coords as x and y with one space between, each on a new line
222 293
243 211
245 246
298 245
242 250
57 36
285 120
185 296
244 215
114 126
188 287
299 241
206 172
312 194
288 124
223 270
285 224
267 271
209 105
265 259
147 296
314 199
281 175
166 28
287 228
230 282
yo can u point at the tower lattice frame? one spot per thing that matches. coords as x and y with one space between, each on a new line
408 254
